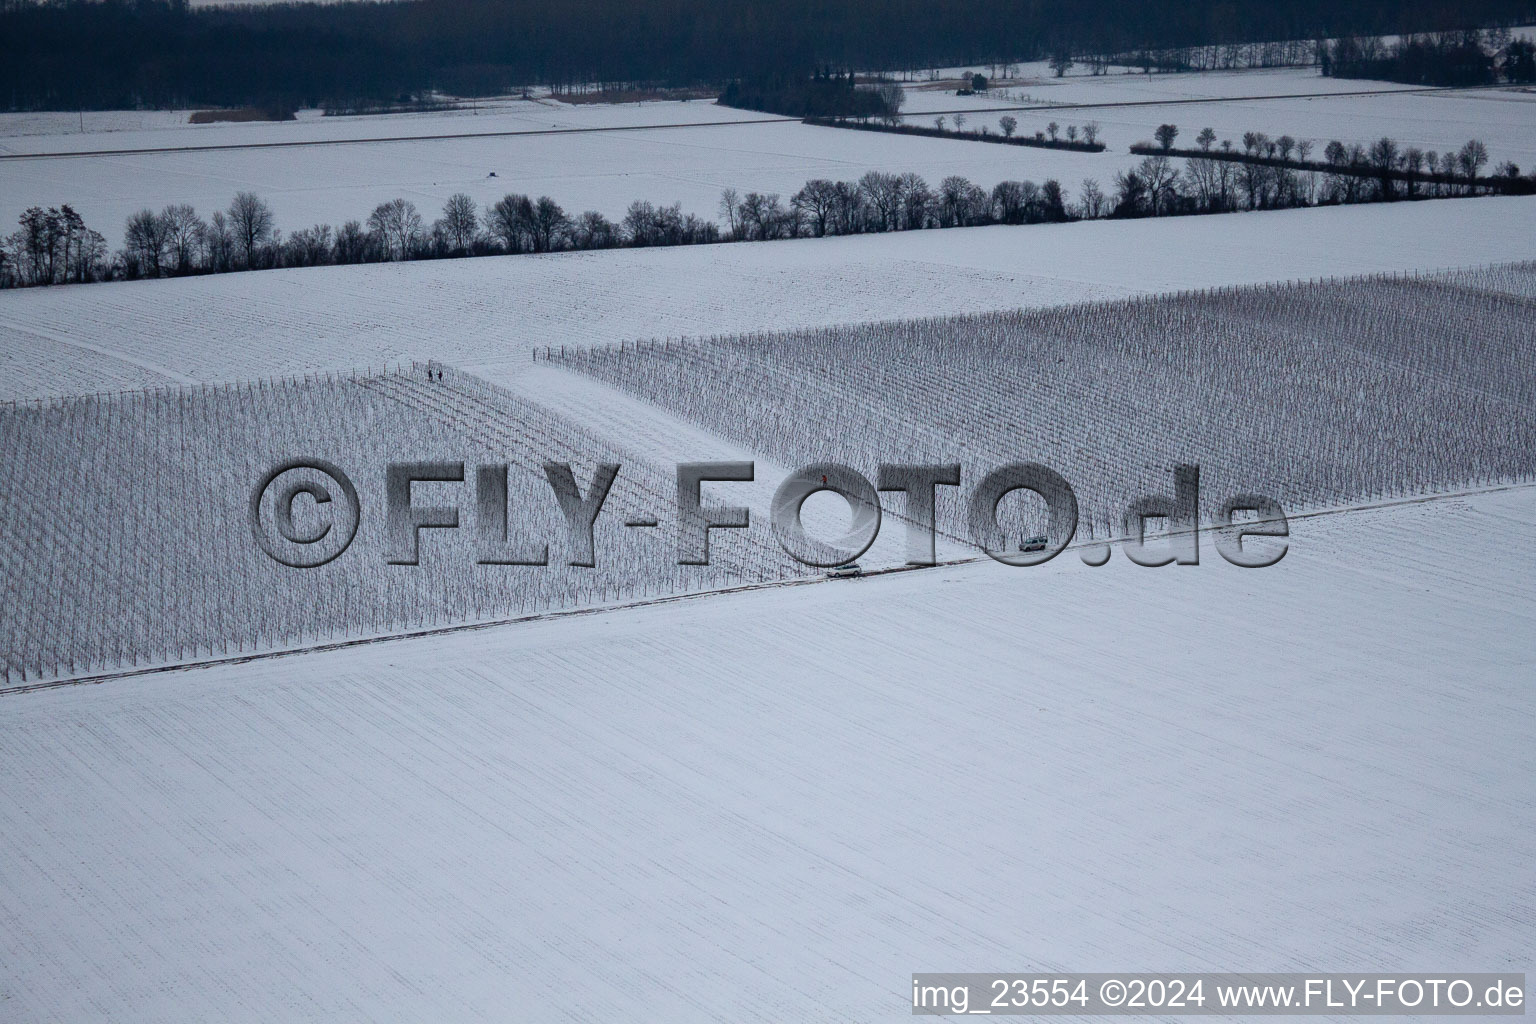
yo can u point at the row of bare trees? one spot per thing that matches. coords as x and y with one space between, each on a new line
880 201
53 246
177 241
1277 173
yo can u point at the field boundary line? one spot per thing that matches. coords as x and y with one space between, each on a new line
513 133
799 581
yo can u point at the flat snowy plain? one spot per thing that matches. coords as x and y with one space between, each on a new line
777 805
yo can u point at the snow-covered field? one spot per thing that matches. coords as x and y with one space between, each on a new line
486 315
95 587
582 171
1312 394
72 131
60 131
1034 82
765 805
606 170
1429 388
776 806
1504 119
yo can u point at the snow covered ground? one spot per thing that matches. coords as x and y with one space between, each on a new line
1307 107
73 131
60 131
772 805
1035 82
486 315
598 171
607 170
777 805
1504 119
70 130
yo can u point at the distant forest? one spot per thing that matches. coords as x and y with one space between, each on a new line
160 53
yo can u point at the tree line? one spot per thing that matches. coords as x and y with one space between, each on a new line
1052 136
1437 59
54 246
1383 170
66 54
826 93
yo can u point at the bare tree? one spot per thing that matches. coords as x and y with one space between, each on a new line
1161 180
1471 159
915 201
310 247
353 244
1165 135
815 203
185 237
883 193
763 216
1384 160
549 225
250 223
90 255
952 200
509 221
398 226
1009 124
461 223
1008 202
1413 163
1053 201
594 231
144 243
640 223
850 210
220 243
893 97
1306 180
1091 200
1204 176
730 208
